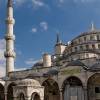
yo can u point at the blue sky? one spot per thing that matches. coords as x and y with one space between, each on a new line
38 21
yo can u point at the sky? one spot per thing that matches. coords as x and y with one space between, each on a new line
38 22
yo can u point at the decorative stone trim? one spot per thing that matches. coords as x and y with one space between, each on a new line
10 21
9 37
10 53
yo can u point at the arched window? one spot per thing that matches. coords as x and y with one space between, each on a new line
75 48
91 37
98 46
93 46
87 47
84 38
98 38
81 47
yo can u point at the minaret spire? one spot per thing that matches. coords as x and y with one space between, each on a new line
9 37
10 3
58 39
92 26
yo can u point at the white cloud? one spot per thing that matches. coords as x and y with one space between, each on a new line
20 69
2 58
38 3
77 1
31 3
19 2
61 1
34 30
85 1
31 61
44 25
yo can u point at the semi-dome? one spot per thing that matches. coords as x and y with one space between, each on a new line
30 82
75 63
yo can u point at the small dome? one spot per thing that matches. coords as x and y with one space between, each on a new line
31 82
95 67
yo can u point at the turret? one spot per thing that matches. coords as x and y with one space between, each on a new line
9 37
47 60
59 47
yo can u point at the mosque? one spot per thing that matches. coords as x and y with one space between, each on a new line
71 73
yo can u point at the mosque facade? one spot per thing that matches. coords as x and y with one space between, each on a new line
71 73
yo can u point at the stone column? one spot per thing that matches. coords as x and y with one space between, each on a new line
5 92
61 94
41 98
85 93
28 98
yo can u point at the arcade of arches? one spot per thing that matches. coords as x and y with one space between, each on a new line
72 89
34 96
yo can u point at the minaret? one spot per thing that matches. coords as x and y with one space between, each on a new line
9 37
59 47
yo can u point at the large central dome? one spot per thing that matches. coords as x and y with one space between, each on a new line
86 45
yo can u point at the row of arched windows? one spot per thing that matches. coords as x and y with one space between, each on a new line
84 47
86 39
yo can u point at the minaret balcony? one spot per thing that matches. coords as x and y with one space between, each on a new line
9 37
10 21
10 53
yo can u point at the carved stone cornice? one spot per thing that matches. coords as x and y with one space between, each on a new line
10 21
10 53
9 37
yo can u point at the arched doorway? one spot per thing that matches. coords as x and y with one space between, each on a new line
1 92
21 96
10 91
35 96
93 86
51 91
72 89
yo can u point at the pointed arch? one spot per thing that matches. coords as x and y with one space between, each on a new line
93 87
10 91
72 88
1 92
35 96
51 91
